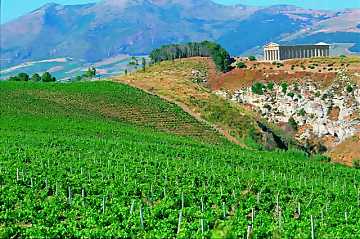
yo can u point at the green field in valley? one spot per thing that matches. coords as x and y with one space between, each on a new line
101 159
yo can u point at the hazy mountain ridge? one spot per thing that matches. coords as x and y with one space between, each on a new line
96 31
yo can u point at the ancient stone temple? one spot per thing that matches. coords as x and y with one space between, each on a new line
276 52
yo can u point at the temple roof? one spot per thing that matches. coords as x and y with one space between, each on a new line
322 44
271 44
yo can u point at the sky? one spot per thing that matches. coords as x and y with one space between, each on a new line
11 9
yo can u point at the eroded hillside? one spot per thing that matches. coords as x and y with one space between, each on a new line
317 100
185 83
312 103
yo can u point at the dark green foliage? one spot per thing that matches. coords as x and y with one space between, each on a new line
47 77
134 61
349 88
90 73
241 65
252 58
20 77
293 124
317 94
143 64
23 77
321 158
291 94
270 85
356 163
284 87
258 88
302 112
219 55
35 77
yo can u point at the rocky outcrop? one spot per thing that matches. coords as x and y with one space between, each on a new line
331 113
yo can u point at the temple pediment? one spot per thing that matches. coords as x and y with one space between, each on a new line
272 44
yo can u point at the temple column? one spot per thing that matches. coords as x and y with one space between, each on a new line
274 55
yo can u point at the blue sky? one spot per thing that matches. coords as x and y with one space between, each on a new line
15 8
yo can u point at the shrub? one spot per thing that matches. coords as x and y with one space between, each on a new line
270 85
293 123
252 58
356 163
258 88
90 73
302 112
290 94
35 77
284 87
349 88
20 77
241 65
47 77
317 94
23 77
13 78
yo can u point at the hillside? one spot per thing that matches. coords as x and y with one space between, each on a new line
184 83
348 151
317 100
116 103
102 159
94 32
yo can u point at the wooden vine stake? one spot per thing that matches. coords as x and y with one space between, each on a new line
312 228
179 222
249 232
141 217
252 216
182 201
83 197
132 207
346 217
103 205
224 210
202 226
69 192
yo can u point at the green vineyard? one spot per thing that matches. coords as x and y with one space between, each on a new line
105 160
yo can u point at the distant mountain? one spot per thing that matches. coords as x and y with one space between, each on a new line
93 32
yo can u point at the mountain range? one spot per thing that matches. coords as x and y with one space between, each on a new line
93 32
